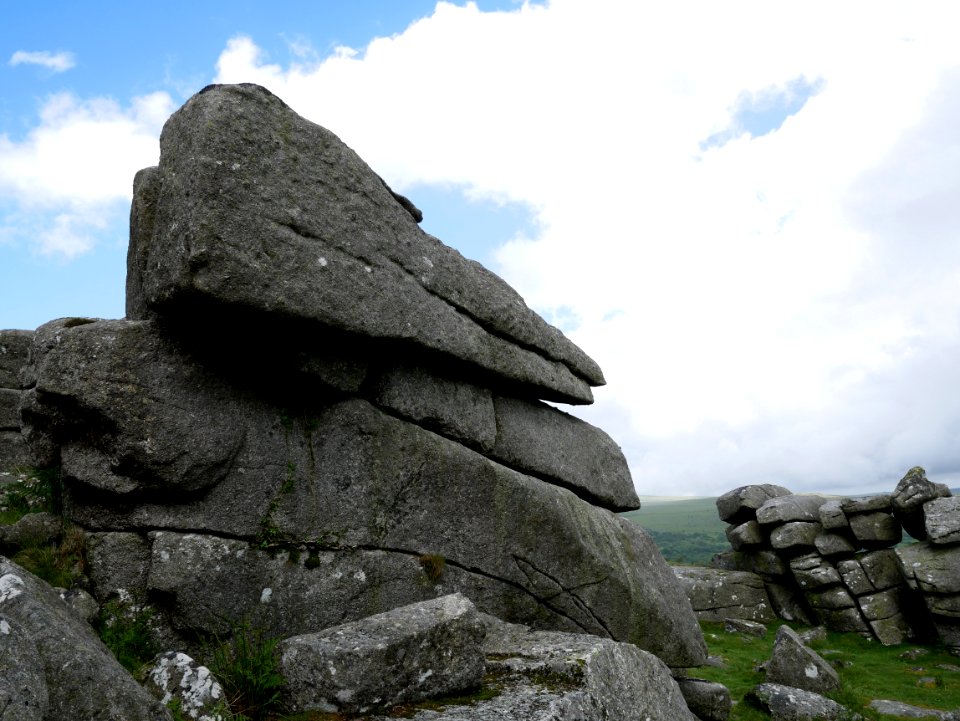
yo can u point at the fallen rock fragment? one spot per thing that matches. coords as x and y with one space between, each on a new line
411 653
794 664
785 703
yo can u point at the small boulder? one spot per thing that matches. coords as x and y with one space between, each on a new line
794 664
709 700
745 535
739 625
832 516
790 508
875 529
176 676
785 703
795 535
886 707
740 505
907 501
418 651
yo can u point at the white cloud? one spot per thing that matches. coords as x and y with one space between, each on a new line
760 308
57 62
76 167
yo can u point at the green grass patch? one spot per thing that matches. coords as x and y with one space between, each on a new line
867 670
686 531
125 630
246 667
33 491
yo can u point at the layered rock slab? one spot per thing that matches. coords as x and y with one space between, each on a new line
254 208
332 474
407 654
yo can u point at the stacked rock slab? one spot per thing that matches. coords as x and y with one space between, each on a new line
932 567
14 352
829 561
316 412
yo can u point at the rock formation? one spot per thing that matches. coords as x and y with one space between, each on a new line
14 350
834 561
315 412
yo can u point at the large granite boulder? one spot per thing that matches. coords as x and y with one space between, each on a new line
43 632
254 210
153 437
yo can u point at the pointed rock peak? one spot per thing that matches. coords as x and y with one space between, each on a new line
256 210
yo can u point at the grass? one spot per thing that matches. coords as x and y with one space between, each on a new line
246 667
867 670
34 490
125 630
685 530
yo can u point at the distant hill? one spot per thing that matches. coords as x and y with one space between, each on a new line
687 530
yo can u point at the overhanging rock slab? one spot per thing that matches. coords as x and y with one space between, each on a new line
254 209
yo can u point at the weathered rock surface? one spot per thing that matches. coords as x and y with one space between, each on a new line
717 595
335 474
745 535
886 707
785 703
909 497
875 530
32 528
794 664
942 520
74 660
708 700
278 216
795 536
540 440
14 452
176 676
407 654
590 678
740 505
9 409
23 683
14 352
785 509
749 628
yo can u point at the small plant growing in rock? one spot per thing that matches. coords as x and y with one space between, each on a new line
246 667
433 566
61 564
125 629
33 490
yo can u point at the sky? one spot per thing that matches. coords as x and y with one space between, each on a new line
747 212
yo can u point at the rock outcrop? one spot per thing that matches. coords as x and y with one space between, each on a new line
315 412
834 561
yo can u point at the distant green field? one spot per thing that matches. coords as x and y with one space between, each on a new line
686 530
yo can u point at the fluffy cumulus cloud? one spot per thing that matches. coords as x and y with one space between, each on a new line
57 62
747 214
71 174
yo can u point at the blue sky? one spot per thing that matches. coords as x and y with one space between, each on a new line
119 51
746 215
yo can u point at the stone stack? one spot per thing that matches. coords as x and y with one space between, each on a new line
315 412
932 567
829 561
14 352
